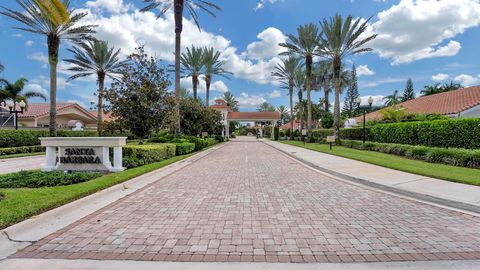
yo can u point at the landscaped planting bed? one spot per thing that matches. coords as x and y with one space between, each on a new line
21 150
139 155
37 179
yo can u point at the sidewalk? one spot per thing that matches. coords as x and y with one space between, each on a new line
456 195
11 165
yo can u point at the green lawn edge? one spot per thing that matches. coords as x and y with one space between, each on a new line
20 204
22 155
440 171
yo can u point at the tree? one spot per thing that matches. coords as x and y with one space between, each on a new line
393 99
265 107
324 74
57 21
15 91
300 86
285 72
230 99
350 107
213 66
283 113
139 99
409 93
197 118
193 66
184 94
98 59
305 45
340 39
438 88
178 8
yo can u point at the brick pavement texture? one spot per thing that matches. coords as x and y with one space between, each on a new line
247 202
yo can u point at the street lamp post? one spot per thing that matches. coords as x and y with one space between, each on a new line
13 110
370 102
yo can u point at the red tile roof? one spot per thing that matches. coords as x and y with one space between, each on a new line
254 116
107 116
220 104
36 110
296 125
447 103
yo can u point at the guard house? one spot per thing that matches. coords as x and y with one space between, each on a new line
228 115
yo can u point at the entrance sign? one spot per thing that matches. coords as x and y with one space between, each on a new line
83 154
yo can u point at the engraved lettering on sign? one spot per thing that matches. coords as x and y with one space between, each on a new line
80 156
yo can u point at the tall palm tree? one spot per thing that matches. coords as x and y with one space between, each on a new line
57 21
193 66
178 7
306 45
283 113
342 38
213 66
393 99
96 58
300 81
231 101
285 72
324 73
15 91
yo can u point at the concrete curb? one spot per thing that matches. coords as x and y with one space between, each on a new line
471 209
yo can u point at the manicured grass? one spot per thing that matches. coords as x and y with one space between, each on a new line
451 173
22 203
22 155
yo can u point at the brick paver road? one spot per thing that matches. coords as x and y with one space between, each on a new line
248 202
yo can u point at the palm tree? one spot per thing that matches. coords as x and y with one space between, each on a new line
300 81
285 72
324 73
342 38
15 91
178 7
283 113
438 88
265 107
96 58
193 65
213 66
393 99
231 101
306 45
55 20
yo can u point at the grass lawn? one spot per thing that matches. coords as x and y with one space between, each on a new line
22 203
440 171
22 155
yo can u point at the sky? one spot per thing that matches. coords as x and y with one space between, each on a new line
429 41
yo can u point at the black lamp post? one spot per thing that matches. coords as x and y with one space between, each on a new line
369 107
13 110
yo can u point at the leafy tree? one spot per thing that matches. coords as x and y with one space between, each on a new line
340 39
196 118
213 66
139 99
393 99
439 88
55 20
230 99
409 93
285 72
305 45
15 91
265 107
317 111
178 8
96 58
350 107
193 65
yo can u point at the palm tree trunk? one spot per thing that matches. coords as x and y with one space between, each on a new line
337 64
178 10
308 87
300 109
101 85
195 86
291 113
327 94
208 83
53 46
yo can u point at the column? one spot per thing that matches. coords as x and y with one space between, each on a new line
273 130
51 161
117 159
227 128
106 157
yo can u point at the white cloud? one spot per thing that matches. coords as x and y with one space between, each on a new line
250 101
440 77
400 40
467 80
216 86
371 84
363 70
267 47
33 87
261 4
113 6
40 57
62 83
275 94
377 100
29 43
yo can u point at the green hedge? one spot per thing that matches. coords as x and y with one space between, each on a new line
139 155
320 135
16 138
184 148
462 133
36 179
449 156
21 150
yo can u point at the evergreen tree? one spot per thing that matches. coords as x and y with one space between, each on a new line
350 108
409 92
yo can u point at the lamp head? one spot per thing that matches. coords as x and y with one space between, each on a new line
10 104
359 100
370 101
22 104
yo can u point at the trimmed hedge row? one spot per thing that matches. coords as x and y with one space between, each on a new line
37 179
16 138
21 150
448 156
184 148
346 134
139 155
462 133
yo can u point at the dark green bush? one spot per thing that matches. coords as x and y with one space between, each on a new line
184 148
287 133
37 179
158 140
16 138
462 133
21 150
276 133
139 155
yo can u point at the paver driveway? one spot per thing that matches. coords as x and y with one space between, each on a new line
248 202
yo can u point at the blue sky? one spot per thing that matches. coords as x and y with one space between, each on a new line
429 41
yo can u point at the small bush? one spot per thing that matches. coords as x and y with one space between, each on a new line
211 141
184 148
21 150
139 155
37 179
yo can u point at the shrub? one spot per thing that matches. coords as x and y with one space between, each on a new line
139 155
184 148
319 134
36 179
16 138
199 142
461 133
276 133
158 140
211 141
287 133
21 150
